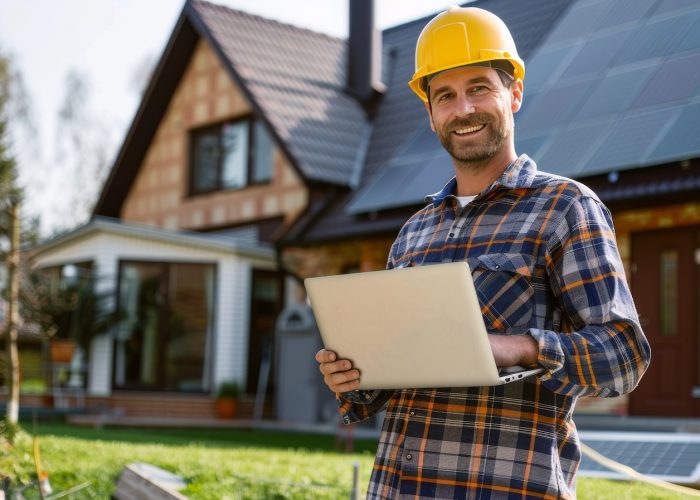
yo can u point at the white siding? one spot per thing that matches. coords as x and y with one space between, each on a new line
100 369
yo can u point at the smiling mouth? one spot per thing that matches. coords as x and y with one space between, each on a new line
469 130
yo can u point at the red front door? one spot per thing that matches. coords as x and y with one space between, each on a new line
665 289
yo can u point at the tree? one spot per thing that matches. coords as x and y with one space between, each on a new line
84 148
10 199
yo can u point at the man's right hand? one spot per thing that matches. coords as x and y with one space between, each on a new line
338 374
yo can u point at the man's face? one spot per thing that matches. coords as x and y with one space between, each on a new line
472 112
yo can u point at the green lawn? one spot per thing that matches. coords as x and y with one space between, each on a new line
234 464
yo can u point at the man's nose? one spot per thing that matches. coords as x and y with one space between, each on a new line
464 106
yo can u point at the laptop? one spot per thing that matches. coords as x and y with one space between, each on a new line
416 327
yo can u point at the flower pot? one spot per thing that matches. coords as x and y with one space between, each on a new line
226 407
61 350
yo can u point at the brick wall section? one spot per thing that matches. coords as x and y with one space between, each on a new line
206 95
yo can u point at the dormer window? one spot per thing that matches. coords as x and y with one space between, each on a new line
230 155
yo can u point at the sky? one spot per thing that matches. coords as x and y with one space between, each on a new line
106 41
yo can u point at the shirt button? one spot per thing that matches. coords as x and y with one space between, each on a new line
452 235
409 456
412 413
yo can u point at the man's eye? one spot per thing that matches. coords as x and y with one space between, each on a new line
443 97
479 90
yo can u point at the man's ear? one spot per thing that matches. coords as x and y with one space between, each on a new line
516 94
430 116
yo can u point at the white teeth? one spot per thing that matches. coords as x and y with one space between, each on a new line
469 130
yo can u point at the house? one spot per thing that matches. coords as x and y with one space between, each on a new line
263 153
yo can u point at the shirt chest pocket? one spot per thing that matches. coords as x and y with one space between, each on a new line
504 286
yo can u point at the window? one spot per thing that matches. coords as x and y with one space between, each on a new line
163 342
230 155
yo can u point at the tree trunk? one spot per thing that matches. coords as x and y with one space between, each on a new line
12 414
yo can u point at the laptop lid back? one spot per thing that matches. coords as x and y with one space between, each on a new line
406 328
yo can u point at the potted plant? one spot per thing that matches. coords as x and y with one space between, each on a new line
227 399
69 315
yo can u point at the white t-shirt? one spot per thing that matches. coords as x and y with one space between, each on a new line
463 200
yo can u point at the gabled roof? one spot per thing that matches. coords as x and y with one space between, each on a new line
293 77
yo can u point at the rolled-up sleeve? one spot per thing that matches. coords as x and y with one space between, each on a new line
360 405
601 350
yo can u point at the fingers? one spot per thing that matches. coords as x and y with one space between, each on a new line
325 356
343 381
339 375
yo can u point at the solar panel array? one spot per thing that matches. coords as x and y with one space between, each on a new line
613 86
673 457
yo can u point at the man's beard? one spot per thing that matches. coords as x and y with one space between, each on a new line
477 153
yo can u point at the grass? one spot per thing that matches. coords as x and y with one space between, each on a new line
233 464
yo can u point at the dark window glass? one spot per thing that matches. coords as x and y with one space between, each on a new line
163 343
262 166
206 161
231 156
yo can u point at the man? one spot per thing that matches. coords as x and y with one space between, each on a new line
549 278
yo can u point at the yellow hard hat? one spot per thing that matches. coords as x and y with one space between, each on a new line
461 36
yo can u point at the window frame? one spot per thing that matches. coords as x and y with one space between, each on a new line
251 121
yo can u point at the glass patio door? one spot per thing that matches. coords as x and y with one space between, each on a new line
163 343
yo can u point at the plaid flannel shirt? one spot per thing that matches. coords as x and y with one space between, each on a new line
545 262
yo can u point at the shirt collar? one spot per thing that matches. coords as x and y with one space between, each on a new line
519 174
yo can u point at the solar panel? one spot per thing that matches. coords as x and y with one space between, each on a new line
614 93
672 5
568 152
623 12
375 194
530 146
403 185
655 39
674 80
554 106
544 66
428 178
421 144
628 144
578 21
683 139
692 37
596 54
672 457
